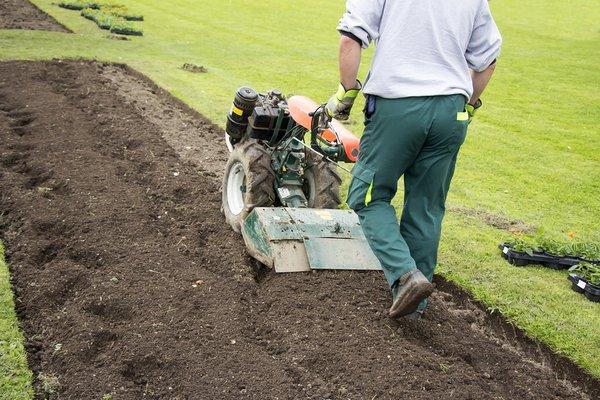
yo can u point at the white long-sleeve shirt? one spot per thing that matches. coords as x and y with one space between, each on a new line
423 47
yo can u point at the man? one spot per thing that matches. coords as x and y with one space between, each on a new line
432 62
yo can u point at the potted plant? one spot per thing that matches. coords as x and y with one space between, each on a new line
585 278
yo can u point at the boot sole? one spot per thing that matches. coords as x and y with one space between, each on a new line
416 294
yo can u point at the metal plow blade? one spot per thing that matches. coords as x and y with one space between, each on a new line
301 239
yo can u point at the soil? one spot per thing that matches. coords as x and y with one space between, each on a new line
197 69
497 221
129 283
22 14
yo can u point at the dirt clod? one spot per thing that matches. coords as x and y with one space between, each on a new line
117 37
497 221
197 69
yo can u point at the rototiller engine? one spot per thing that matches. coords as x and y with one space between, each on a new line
282 193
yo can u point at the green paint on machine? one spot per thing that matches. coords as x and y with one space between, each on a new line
301 239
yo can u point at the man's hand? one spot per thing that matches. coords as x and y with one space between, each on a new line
472 108
340 104
480 81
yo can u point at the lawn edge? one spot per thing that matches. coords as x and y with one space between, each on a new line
531 346
14 336
54 19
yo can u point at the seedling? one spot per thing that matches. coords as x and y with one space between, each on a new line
588 271
121 12
90 13
107 16
585 279
106 21
124 27
541 244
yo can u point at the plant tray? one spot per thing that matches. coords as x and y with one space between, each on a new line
547 260
522 259
91 17
126 31
78 5
133 17
580 285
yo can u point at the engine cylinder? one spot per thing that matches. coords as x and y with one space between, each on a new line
241 109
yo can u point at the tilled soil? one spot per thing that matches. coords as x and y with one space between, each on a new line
129 283
21 14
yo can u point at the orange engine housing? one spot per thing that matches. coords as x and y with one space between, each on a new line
301 106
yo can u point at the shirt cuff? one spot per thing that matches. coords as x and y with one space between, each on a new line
351 36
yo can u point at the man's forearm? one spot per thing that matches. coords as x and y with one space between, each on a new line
350 52
339 105
480 81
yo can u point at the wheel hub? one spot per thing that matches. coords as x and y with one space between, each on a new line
236 188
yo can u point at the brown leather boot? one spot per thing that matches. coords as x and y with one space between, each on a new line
408 291
417 315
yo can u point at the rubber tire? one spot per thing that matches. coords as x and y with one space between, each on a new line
322 176
260 180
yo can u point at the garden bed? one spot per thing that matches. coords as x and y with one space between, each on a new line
129 283
21 14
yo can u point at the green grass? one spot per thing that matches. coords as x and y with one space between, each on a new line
531 154
538 299
15 377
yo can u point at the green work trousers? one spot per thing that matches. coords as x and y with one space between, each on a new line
418 137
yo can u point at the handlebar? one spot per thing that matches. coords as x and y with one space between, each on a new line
320 122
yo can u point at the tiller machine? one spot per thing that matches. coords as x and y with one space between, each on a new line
281 186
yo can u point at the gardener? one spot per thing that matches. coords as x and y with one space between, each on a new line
433 60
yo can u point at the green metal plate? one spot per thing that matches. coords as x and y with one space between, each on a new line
330 253
300 239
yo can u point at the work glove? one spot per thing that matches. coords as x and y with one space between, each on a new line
472 108
340 104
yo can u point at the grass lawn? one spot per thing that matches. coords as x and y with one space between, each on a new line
15 377
531 154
